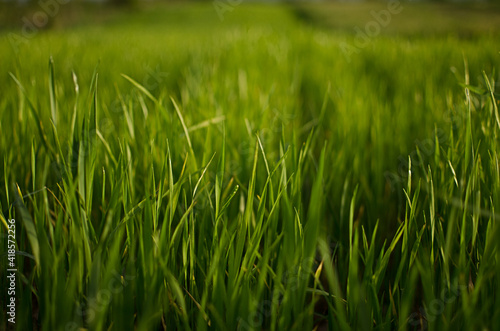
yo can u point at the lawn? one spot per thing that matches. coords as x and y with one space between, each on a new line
260 167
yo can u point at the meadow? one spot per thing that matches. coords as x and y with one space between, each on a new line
268 169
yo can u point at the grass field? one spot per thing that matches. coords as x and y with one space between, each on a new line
271 170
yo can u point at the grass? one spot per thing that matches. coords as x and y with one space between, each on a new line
190 173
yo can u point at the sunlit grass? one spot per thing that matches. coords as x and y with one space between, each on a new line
199 174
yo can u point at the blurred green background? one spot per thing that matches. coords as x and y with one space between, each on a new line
350 90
